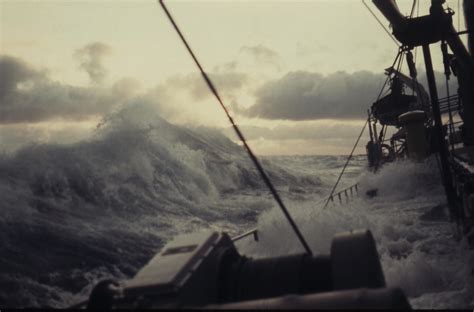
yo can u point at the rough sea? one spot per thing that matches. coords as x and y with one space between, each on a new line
72 215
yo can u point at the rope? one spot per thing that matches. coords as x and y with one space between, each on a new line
380 23
459 14
240 135
450 114
413 8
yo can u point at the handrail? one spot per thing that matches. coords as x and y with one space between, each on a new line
253 232
350 189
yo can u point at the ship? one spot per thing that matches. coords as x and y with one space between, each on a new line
206 270
424 124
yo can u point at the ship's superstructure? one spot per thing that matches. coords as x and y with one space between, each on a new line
427 124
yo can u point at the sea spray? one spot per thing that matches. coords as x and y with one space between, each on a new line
101 208
418 254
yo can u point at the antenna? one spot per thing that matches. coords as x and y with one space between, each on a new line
252 156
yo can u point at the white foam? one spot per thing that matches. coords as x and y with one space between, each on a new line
419 256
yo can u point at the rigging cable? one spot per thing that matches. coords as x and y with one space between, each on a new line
413 8
239 134
347 162
417 15
459 15
400 51
380 23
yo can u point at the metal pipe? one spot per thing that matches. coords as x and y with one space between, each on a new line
253 232
391 12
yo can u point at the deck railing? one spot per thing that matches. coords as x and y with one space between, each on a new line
348 193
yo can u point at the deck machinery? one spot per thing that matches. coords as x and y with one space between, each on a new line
426 124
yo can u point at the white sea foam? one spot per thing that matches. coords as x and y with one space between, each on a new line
409 222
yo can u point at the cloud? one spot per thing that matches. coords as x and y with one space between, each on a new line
261 53
303 137
29 95
327 130
305 95
91 58
226 82
14 71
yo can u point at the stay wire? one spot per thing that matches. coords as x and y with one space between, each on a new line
380 23
413 8
417 15
400 52
347 163
459 15
252 156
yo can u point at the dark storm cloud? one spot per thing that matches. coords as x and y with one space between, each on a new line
14 71
91 58
29 95
305 95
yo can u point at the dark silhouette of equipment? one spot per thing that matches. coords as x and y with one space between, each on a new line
206 271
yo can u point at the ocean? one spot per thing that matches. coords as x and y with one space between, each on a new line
101 208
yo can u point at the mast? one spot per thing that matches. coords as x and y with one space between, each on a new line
426 30
443 150
469 17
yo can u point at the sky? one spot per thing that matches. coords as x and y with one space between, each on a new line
298 76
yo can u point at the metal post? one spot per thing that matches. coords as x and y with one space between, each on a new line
443 152
255 235
370 128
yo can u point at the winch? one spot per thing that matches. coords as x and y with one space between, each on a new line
205 270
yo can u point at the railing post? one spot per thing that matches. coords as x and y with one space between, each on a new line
255 235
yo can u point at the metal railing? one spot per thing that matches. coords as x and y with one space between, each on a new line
347 192
253 232
449 103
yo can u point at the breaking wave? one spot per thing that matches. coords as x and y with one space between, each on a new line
74 214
